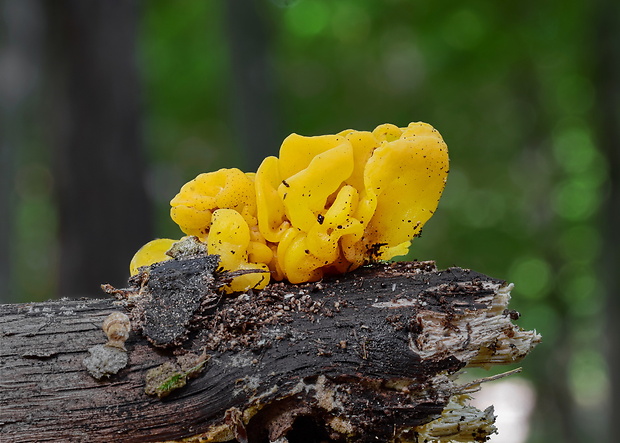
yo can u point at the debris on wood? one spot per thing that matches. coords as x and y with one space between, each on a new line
373 355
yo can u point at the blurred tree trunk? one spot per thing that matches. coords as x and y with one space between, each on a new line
21 28
608 98
99 165
254 110
554 418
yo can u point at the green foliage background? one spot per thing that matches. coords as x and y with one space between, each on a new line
509 86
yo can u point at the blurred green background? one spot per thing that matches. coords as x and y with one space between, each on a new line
148 94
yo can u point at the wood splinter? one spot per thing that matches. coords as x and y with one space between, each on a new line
373 355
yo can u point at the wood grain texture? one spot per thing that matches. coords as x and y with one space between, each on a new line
341 358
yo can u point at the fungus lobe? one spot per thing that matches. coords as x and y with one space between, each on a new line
327 204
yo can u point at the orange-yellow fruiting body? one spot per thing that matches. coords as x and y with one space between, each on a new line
328 204
152 252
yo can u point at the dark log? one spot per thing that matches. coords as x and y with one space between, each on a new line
366 356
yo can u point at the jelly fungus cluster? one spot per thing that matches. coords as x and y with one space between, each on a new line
328 204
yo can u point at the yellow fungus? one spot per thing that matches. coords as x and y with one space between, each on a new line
194 205
152 252
229 237
272 217
327 204
305 194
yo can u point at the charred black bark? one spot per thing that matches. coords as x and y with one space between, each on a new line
362 357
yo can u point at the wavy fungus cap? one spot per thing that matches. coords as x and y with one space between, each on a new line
194 205
328 204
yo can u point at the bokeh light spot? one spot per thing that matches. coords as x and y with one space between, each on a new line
574 150
531 276
588 378
577 199
308 18
514 400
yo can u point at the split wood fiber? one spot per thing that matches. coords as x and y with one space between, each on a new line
366 356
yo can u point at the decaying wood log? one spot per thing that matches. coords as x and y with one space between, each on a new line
369 356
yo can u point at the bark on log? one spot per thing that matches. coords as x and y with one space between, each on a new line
369 356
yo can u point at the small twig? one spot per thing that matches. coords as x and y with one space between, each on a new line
476 383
